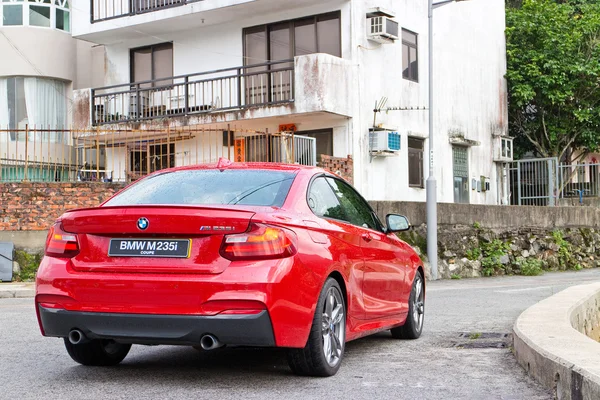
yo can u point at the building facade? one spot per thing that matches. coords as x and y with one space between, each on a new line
38 73
348 77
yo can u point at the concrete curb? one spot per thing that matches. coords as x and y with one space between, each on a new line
17 290
556 354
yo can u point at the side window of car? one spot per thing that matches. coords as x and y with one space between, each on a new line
355 208
323 202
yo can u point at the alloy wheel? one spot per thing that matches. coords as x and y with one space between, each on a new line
333 326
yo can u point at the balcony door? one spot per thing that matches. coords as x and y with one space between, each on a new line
283 41
150 92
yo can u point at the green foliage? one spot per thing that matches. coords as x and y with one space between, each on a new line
473 254
415 240
492 252
553 54
530 266
29 264
475 335
455 276
565 256
476 225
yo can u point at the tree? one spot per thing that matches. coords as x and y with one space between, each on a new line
553 54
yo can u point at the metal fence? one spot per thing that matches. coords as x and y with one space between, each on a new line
126 155
220 90
579 180
542 182
533 182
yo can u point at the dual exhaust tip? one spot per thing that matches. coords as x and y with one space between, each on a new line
207 342
210 342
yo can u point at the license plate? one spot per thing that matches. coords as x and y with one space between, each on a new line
171 248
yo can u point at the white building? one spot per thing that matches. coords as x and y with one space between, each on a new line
38 72
314 65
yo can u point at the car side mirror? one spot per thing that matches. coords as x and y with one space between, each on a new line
397 223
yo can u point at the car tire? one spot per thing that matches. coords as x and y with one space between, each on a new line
324 350
97 352
413 327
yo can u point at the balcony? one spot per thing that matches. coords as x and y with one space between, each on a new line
220 90
101 10
316 83
107 21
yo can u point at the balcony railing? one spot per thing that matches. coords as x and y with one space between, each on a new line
220 90
102 10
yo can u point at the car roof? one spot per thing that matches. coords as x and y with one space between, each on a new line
224 164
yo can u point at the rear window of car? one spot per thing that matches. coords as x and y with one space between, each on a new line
204 187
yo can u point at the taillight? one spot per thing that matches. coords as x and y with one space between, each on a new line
258 243
60 243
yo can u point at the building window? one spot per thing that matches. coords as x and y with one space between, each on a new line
323 140
460 168
39 16
12 15
39 13
152 63
410 59
33 102
415 162
285 40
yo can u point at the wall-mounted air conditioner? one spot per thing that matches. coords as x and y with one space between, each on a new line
382 29
503 148
384 141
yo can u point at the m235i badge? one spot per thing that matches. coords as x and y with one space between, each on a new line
216 228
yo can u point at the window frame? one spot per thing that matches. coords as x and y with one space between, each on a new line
153 79
411 74
291 26
376 220
421 185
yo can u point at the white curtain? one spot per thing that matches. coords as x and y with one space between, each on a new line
4 114
45 100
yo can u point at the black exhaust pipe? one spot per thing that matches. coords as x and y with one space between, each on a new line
209 342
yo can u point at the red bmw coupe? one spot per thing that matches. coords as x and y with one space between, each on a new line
229 254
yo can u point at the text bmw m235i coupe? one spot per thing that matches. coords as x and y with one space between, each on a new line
229 254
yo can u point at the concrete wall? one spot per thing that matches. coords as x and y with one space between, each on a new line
470 95
495 217
45 52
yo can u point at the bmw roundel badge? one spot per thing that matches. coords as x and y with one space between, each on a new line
143 223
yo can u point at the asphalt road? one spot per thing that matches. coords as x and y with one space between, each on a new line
441 365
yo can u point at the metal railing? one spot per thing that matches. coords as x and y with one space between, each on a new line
220 90
579 180
121 155
102 10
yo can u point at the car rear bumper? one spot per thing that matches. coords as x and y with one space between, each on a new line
236 329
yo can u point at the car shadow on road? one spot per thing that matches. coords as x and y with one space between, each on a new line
179 363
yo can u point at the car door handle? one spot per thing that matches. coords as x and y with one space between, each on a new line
367 237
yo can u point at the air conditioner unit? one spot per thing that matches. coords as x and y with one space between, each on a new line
382 29
384 141
503 148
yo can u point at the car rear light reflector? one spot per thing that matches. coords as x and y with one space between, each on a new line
60 243
258 243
